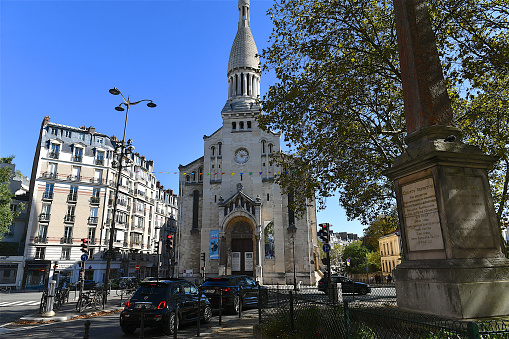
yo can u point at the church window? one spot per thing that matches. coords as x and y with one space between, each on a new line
234 125
188 178
249 124
268 196
200 174
213 150
194 176
263 164
196 205
212 166
241 125
219 148
263 147
215 198
270 148
241 83
269 240
241 177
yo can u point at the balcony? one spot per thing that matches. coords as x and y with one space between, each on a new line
47 196
40 240
138 228
69 218
95 200
74 177
49 175
99 162
92 241
93 220
66 240
97 180
44 217
77 158
72 197
54 155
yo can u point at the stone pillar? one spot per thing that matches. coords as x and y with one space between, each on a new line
453 262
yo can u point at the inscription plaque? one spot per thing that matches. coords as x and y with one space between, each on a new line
420 212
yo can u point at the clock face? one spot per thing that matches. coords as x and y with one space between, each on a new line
241 156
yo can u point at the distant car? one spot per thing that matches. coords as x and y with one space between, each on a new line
347 285
236 290
165 301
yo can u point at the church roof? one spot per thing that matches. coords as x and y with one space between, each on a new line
243 53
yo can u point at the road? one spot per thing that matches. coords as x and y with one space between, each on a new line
17 304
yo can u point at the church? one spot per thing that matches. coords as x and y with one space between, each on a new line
234 218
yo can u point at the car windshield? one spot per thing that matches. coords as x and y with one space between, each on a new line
215 282
151 289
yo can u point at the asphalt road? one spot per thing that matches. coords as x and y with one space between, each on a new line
18 304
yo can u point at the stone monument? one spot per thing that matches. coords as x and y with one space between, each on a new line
453 262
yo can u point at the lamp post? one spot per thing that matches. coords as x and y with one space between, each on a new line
125 149
291 230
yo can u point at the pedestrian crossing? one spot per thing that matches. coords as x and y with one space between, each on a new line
20 303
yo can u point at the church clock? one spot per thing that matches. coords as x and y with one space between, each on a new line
241 156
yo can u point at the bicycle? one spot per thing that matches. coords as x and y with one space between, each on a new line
89 300
44 301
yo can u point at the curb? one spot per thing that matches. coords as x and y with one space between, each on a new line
37 317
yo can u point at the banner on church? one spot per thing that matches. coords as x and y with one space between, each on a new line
214 244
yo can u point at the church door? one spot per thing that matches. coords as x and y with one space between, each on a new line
242 256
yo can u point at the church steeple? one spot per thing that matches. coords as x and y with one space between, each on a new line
243 65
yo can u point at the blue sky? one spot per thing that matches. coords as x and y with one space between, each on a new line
59 58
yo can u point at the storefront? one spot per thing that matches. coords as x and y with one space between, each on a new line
36 274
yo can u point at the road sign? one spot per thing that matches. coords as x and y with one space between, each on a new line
326 248
137 267
84 257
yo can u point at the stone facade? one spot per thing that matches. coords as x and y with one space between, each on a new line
232 211
390 252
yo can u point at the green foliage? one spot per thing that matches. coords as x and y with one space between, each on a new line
374 261
339 101
6 160
6 216
356 252
383 225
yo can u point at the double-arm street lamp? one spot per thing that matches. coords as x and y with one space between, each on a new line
124 149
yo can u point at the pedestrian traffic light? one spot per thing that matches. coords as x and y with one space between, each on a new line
169 242
323 233
203 257
156 247
84 245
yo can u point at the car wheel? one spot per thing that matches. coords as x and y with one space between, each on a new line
364 291
169 328
236 304
207 314
128 329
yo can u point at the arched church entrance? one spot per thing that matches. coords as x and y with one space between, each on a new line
242 247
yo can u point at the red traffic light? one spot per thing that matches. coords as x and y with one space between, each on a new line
84 240
169 237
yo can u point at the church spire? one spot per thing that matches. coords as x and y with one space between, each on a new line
243 65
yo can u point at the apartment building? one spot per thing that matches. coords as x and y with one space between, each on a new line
390 252
72 196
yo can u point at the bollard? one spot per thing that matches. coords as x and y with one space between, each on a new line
220 306
48 312
142 325
87 329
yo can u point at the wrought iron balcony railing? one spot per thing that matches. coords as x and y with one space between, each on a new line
66 240
44 217
41 240
72 197
69 218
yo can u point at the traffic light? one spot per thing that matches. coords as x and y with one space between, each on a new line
323 233
203 257
169 242
156 247
84 245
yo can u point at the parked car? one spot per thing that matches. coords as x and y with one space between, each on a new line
88 285
236 290
161 298
347 285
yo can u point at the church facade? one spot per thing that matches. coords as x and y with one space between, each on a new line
234 218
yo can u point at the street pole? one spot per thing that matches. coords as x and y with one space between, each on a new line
127 103
294 274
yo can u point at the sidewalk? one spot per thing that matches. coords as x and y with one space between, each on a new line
68 310
237 328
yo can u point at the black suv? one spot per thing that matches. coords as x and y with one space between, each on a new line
347 285
160 298
235 290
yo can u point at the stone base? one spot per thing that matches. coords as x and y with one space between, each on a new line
461 289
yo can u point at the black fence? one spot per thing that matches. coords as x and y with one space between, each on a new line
310 313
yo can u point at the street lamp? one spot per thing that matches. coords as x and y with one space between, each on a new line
125 149
292 230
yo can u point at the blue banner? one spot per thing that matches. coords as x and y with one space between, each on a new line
214 244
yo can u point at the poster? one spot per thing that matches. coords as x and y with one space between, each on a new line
214 244
248 262
235 261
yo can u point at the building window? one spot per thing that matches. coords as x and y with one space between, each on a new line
241 125
54 131
67 133
270 148
188 178
54 151
43 233
213 150
40 252
269 240
219 146
100 140
78 154
48 191
268 196
263 146
10 231
234 125
91 235
81 136
196 206
99 158
67 239
66 253
249 124
73 194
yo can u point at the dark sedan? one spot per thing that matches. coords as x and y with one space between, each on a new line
164 302
235 291
347 285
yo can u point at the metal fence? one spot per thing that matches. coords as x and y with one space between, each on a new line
309 313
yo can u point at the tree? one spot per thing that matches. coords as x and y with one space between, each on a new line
374 261
383 225
339 103
356 252
6 215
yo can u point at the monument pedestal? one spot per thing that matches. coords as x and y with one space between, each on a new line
453 262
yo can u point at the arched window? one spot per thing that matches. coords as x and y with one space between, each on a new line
219 148
200 174
263 146
194 176
234 125
196 205
270 148
241 125
249 124
269 240
188 178
213 149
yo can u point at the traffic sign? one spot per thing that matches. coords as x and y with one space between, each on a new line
137 267
326 248
84 257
